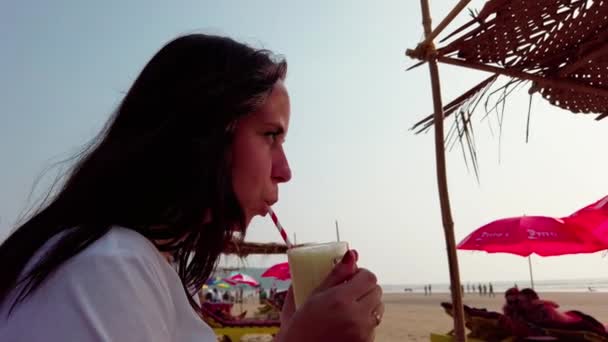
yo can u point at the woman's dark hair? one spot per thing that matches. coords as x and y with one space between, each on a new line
529 294
512 292
161 166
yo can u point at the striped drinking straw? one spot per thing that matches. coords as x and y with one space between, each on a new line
280 228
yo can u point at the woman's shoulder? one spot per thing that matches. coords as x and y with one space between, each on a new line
120 241
126 250
120 255
118 246
118 285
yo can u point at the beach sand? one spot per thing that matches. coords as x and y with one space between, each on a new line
412 317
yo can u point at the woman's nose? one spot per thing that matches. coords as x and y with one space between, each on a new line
281 172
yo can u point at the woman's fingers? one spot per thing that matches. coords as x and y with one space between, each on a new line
341 272
372 307
361 283
289 307
378 314
372 297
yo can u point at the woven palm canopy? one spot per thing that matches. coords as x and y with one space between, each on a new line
561 46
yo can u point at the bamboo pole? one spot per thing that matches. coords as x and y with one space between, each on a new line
444 23
442 184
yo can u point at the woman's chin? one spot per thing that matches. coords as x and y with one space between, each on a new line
251 214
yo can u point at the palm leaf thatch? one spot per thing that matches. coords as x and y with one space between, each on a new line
557 47
242 248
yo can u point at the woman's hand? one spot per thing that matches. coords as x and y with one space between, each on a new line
347 306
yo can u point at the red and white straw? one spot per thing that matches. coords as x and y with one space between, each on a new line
277 224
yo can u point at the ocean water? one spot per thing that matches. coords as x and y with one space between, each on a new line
559 285
563 285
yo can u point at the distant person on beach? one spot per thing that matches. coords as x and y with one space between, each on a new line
194 151
209 296
273 290
426 290
480 289
216 296
491 289
430 291
485 289
240 292
262 296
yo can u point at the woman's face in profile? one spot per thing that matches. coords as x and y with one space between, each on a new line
259 162
512 299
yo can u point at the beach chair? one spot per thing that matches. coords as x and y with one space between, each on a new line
575 335
570 334
271 308
483 325
449 338
593 337
232 330
585 329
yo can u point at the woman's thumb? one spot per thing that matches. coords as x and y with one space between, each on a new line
289 307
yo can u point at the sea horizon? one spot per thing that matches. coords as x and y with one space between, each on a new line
552 285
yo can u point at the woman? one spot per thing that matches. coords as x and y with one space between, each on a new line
546 314
191 155
514 318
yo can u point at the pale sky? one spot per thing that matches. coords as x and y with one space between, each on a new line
66 64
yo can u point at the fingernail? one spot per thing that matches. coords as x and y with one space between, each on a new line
356 254
348 258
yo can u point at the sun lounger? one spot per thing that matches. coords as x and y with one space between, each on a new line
487 326
572 326
484 325
575 335
449 338
234 329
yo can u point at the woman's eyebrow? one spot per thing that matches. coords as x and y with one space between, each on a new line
276 126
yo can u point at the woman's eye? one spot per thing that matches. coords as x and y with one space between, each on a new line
272 135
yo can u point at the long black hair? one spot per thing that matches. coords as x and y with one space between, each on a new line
160 167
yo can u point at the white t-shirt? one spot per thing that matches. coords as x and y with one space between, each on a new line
119 288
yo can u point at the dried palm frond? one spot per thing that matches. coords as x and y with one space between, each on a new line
461 109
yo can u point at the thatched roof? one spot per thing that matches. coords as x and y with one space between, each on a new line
559 46
246 248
